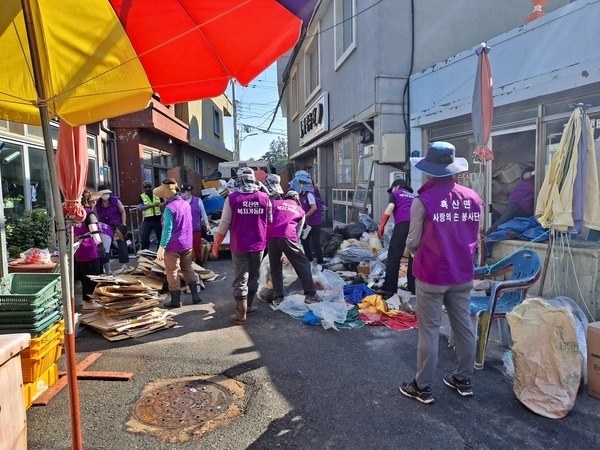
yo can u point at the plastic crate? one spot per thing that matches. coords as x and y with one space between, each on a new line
34 316
38 345
36 329
28 290
33 368
31 391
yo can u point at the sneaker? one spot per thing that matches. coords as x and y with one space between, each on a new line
463 387
410 389
277 301
311 298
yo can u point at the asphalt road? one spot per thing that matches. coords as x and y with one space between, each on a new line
305 387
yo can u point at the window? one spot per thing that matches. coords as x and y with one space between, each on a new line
217 121
198 165
343 154
345 29
293 92
311 67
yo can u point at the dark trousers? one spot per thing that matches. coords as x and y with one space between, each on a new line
312 244
395 252
148 226
511 211
81 272
293 252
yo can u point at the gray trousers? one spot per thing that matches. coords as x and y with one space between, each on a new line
246 269
293 252
430 299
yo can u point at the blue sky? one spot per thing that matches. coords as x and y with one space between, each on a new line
256 104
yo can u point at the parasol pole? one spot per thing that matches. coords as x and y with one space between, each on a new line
76 439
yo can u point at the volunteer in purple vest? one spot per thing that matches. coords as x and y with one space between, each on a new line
312 206
199 220
88 256
111 211
444 226
521 201
401 198
246 214
282 239
175 246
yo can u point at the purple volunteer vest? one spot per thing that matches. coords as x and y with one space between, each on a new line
316 217
450 230
109 214
181 236
403 201
523 194
287 214
196 216
87 250
249 221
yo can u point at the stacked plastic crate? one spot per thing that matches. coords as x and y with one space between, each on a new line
32 303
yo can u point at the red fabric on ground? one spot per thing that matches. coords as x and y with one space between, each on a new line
399 322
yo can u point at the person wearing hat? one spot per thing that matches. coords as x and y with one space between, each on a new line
313 207
175 247
400 200
199 221
246 214
89 255
111 211
282 239
444 227
151 208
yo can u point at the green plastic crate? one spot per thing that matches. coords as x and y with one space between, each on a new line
27 291
35 329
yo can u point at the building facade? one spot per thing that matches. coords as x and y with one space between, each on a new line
346 86
539 70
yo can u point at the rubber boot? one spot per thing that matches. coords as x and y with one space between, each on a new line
107 270
251 309
175 300
241 306
194 291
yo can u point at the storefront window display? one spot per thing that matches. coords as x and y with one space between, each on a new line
11 173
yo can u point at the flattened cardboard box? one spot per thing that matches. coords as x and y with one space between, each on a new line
593 349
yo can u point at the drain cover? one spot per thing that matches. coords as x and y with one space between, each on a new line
179 410
182 404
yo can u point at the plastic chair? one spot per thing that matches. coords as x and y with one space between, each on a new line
503 295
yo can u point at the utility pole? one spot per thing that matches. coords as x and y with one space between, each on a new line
236 136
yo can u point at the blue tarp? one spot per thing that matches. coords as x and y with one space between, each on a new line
354 293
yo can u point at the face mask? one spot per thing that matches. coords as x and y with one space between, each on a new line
105 196
185 195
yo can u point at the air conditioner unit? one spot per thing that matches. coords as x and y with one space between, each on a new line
393 148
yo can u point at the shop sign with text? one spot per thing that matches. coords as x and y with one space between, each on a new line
315 121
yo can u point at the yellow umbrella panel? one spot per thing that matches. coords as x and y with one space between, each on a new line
97 74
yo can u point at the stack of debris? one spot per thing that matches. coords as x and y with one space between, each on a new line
123 308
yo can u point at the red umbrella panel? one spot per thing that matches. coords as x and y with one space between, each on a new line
483 104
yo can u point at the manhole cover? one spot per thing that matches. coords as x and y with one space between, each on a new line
187 408
182 404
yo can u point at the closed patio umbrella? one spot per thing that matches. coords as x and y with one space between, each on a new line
569 198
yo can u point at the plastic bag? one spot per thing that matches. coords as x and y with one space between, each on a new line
368 222
546 357
354 253
37 256
329 313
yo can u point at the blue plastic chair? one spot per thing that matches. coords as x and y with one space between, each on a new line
525 269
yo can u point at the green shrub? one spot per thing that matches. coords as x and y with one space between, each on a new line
33 230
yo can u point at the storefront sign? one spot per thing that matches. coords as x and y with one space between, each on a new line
315 121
